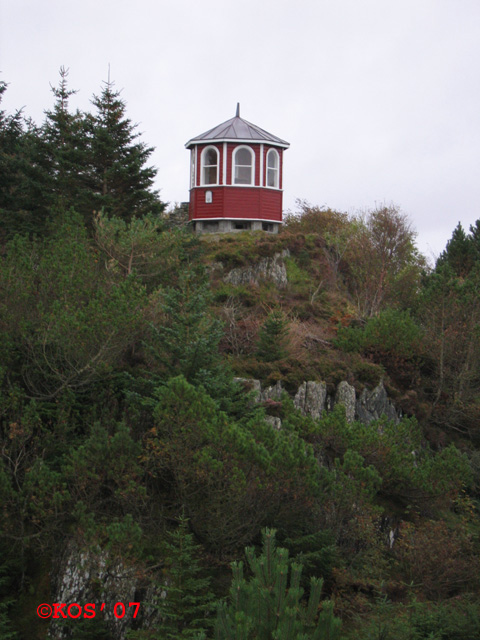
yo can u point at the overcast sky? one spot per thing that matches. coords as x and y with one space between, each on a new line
379 99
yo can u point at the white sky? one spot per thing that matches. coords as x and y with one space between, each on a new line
379 99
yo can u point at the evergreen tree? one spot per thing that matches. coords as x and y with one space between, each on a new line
19 206
185 336
459 252
475 238
272 338
120 181
267 607
63 153
188 601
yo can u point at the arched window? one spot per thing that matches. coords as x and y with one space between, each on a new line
210 165
272 169
243 166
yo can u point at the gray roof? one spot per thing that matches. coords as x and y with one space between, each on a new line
237 129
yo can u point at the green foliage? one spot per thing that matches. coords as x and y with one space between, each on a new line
188 603
460 253
449 621
119 180
65 320
230 477
273 337
185 335
33 492
62 149
15 175
143 247
6 632
296 276
450 312
408 469
269 605
75 160
104 475
392 332
316 552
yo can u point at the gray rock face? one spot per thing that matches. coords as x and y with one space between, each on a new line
271 269
310 399
346 395
274 421
372 405
91 576
271 393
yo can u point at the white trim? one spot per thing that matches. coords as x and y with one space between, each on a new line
236 186
193 168
202 166
224 172
247 141
237 219
252 166
262 168
275 188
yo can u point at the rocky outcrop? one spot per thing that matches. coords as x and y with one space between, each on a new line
271 393
274 421
91 576
372 405
346 395
310 399
267 269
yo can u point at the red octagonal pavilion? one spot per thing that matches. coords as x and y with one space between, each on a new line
236 178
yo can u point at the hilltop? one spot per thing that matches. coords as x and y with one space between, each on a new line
168 400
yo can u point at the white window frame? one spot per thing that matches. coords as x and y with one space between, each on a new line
193 168
234 166
275 169
203 166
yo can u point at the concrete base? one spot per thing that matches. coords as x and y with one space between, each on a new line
234 226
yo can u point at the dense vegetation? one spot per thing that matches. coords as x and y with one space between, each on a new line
122 427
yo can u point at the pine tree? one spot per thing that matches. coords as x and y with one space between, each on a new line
118 177
268 606
188 601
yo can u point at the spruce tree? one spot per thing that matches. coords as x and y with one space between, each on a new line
459 253
273 337
63 154
20 205
118 176
184 340
188 601
475 238
268 606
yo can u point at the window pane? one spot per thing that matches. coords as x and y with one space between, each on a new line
243 175
210 157
243 156
272 159
272 178
210 175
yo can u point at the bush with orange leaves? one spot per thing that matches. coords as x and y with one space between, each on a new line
439 560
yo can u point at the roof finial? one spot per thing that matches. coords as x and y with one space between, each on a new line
237 115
